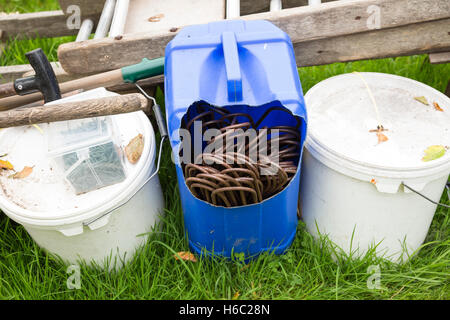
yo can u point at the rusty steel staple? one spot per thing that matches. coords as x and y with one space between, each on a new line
231 178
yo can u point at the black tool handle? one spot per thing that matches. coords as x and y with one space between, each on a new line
44 81
24 86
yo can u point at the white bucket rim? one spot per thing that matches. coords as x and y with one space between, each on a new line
316 148
386 179
314 145
77 215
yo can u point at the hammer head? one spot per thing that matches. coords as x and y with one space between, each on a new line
44 81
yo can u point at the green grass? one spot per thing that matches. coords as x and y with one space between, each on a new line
305 272
14 51
25 6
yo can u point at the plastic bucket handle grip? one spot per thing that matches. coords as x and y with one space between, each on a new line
232 66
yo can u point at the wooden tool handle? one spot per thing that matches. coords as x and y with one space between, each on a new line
7 90
74 110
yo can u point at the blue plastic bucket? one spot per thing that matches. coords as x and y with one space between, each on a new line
243 65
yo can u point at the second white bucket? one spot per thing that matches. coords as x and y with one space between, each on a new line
105 225
353 186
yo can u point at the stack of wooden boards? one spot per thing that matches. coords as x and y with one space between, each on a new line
335 31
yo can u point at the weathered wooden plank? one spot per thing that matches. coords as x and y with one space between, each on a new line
87 7
11 73
348 17
28 25
407 40
60 73
110 52
441 57
309 27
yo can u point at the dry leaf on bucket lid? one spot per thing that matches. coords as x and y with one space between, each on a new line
6 165
380 135
433 153
156 18
134 148
437 107
26 171
422 100
186 256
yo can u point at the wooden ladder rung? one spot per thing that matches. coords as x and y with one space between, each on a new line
439 57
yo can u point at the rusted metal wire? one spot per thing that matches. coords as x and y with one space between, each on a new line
228 176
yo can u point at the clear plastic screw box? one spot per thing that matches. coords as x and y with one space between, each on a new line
86 152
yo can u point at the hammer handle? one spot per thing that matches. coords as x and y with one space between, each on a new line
99 80
74 110
7 90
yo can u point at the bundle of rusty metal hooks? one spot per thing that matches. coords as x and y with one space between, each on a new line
233 178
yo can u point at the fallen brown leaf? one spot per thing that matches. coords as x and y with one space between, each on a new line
255 296
134 148
6 165
381 137
245 267
156 18
186 256
437 107
26 171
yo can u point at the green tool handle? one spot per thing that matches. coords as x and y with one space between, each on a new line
145 69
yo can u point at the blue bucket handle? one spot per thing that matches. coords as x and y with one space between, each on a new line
232 66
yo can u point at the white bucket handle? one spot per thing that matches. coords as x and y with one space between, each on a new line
447 186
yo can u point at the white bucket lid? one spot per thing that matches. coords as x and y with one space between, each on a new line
28 146
341 115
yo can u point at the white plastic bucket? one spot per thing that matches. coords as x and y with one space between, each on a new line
114 220
352 188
